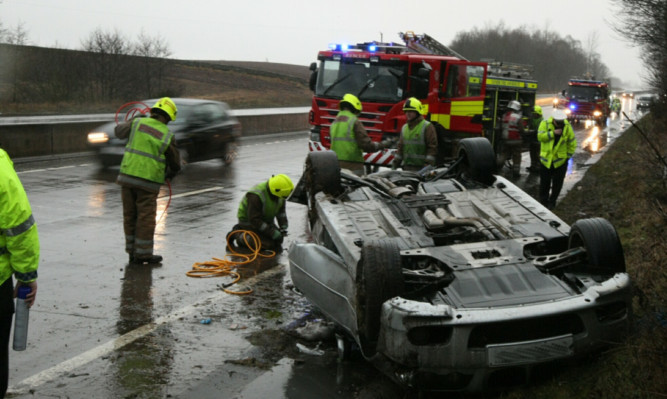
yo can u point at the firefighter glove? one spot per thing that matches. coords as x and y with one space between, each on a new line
276 235
387 143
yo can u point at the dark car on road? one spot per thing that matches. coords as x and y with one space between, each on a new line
454 279
203 130
645 102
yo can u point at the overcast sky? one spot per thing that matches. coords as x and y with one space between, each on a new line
293 31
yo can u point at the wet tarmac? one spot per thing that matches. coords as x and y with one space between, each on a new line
102 328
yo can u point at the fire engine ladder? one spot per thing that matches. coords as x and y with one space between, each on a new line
425 44
509 69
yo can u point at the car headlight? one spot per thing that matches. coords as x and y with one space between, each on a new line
98 138
597 113
568 111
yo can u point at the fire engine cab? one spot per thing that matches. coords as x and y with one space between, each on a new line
461 98
586 99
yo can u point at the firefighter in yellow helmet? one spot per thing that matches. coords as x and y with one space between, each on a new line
19 255
558 145
259 210
150 157
418 144
349 139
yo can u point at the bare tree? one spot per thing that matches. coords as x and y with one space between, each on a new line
153 52
644 23
109 67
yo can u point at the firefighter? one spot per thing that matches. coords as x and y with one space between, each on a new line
349 138
19 254
511 143
259 207
418 144
557 147
150 157
531 138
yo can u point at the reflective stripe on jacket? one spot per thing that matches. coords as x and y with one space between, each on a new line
19 240
414 143
552 153
144 153
271 205
343 141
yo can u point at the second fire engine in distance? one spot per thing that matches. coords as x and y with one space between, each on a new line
461 98
586 99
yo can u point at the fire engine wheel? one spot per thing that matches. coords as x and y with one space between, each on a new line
600 240
323 172
380 279
479 160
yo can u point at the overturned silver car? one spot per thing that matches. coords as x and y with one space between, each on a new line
454 279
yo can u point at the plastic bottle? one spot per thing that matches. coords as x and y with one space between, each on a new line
21 319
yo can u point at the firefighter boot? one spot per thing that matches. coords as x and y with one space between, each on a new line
153 259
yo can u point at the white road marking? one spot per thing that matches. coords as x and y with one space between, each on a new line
164 197
71 364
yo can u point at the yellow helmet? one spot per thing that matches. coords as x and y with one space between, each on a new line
167 106
352 100
537 110
412 104
281 186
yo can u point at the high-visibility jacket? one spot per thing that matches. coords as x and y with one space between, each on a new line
343 141
145 152
19 241
554 153
271 206
510 126
414 143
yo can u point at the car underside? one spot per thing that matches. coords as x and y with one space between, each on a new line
453 278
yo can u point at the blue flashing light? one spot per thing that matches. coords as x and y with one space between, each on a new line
372 48
333 46
344 47
573 107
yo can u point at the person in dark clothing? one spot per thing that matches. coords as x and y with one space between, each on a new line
150 157
533 142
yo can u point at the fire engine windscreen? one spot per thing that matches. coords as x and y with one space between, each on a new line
585 93
383 81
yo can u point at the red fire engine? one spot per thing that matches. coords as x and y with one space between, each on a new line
586 99
462 98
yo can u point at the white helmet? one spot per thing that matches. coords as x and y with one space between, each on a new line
515 105
558 115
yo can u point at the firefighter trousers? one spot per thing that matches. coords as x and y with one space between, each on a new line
139 210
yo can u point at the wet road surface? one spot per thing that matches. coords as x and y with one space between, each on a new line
102 328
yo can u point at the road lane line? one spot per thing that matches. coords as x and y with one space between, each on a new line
164 197
67 366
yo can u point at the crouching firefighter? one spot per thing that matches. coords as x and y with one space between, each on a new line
261 205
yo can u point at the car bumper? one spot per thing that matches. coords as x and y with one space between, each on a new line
438 348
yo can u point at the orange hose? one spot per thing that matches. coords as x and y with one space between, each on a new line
228 266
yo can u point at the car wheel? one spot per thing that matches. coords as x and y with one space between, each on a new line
479 160
230 152
323 172
380 279
600 240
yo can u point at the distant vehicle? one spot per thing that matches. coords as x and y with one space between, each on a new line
586 99
628 94
203 130
645 102
454 279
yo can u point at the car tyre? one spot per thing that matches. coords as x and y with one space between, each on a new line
380 279
479 160
601 242
323 172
